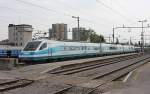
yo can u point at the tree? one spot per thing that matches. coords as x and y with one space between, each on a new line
95 38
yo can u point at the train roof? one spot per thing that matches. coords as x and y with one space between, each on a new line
7 47
54 41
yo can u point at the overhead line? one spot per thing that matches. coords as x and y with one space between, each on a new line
79 11
48 9
93 22
115 11
51 10
19 11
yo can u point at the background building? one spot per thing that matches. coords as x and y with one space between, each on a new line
19 35
80 35
58 32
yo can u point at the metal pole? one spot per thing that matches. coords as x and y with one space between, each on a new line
142 38
142 35
130 40
100 44
113 35
109 39
78 19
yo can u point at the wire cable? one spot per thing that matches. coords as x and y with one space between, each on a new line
48 9
115 11
55 11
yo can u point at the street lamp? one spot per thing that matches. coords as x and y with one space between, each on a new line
78 20
142 35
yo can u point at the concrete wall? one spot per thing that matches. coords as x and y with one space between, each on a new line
19 35
27 36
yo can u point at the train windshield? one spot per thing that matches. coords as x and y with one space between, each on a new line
32 46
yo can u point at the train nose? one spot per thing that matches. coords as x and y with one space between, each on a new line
24 54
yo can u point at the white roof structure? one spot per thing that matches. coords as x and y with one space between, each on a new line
7 47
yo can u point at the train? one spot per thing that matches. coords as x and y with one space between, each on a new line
9 52
45 50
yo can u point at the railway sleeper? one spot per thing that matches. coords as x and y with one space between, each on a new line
15 84
89 64
122 67
81 89
93 66
117 74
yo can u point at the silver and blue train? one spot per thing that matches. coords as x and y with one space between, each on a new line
47 50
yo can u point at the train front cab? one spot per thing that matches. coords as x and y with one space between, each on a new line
33 52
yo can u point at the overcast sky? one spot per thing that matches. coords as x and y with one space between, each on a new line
100 15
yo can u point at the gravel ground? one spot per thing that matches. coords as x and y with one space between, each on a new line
49 83
39 87
139 83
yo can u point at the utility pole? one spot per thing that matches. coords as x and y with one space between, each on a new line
130 41
113 35
78 20
100 43
142 35
109 39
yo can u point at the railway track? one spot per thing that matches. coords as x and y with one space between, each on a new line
116 74
90 65
110 73
100 73
13 84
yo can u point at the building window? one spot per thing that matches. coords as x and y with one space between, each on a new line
21 44
21 38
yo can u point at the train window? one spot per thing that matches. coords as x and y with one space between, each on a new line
112 48
32 46
82 47
96 48
63 48
66 48
77 48
72 48
85 47
43 46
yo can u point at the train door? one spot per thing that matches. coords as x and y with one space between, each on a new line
50 50
100 48
84 48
